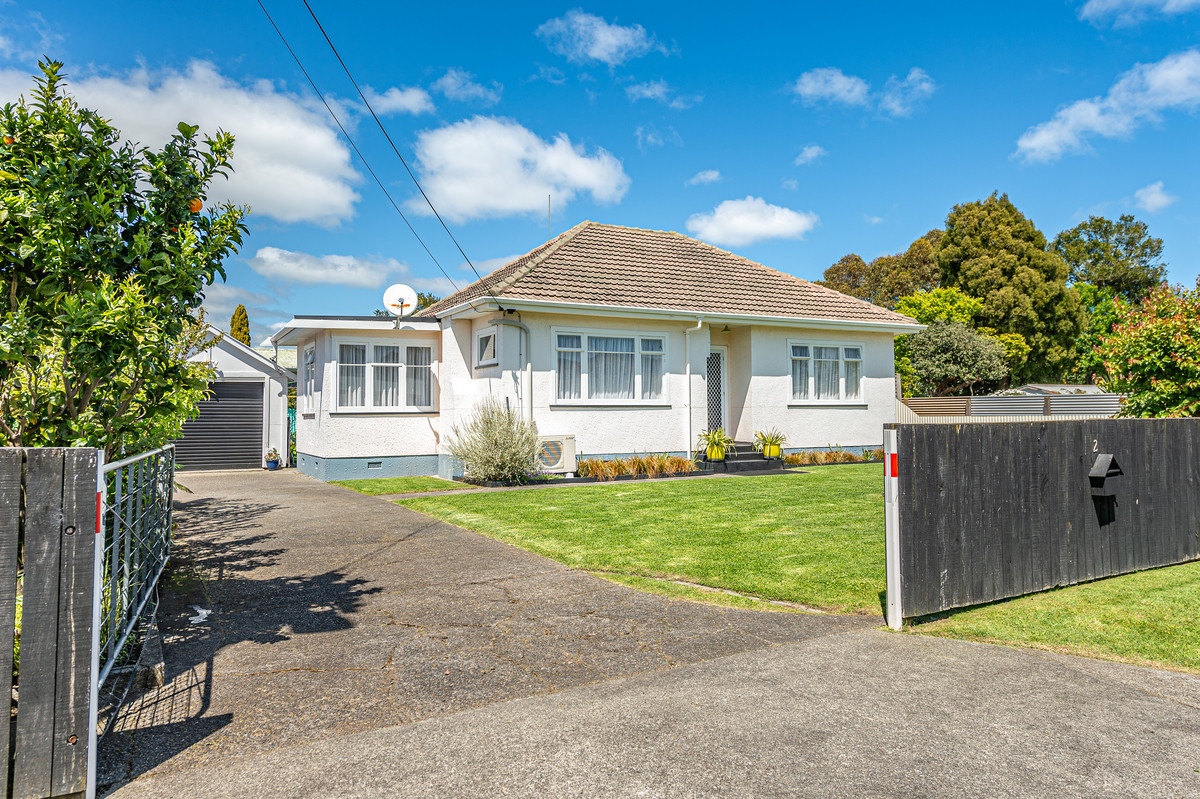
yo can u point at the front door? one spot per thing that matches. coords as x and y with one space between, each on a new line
716 390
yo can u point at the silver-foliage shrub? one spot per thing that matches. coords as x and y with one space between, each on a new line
495 443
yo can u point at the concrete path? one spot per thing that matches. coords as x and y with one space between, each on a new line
359 650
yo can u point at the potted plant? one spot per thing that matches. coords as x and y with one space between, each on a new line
715 444
770 443
272 459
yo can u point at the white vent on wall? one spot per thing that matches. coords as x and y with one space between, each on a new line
556 454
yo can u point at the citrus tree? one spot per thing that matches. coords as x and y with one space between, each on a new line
105 251
1153 353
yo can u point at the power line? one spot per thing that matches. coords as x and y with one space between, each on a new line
361 157
395 149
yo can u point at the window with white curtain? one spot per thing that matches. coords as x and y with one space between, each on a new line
418 376
383 376
826 372
610 367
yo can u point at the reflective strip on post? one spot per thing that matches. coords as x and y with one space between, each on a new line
891 516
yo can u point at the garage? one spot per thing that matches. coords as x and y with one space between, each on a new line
245 413
228 433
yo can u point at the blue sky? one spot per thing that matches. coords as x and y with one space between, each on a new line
791 134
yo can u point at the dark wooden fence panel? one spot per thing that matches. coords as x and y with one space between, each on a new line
48 505
989 511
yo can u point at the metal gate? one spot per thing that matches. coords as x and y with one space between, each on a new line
228 433
716 389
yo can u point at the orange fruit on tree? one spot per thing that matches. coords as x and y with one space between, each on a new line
9 140
195 205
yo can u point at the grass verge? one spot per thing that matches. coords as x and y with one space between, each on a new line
815 539
400 485
1147 618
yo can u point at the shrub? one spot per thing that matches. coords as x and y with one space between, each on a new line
495 443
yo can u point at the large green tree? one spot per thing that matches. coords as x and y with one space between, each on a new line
104 257
991 251
889 277
239 325
1120 258
1153 353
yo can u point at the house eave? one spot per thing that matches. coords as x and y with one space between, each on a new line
298 328
483 305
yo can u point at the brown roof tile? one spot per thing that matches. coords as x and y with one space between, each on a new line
598 264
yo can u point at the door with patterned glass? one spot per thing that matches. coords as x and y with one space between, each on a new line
717 416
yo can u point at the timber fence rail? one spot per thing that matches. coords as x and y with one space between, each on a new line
981 512
82 546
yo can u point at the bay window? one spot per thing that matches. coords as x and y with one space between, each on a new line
826 372
610 368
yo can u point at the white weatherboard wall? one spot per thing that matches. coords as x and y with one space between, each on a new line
236 363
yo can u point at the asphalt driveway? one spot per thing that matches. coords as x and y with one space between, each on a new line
355 648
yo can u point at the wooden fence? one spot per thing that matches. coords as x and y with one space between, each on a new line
980 512
48 512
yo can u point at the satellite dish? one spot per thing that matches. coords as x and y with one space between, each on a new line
400 300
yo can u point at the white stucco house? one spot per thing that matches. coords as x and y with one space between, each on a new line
629 340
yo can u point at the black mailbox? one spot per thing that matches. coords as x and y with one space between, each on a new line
1105 476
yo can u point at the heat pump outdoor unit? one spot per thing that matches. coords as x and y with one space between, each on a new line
556 454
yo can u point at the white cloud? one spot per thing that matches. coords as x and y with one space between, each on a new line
458 84
1153 198
343 270
811 153
490 167
489 264
872 220
702 177
289 163
1130 12
901 96
650 136
661 91
220 299
790 183
582 38
741 222
400 100
830 84
1139 96
437 286
31 38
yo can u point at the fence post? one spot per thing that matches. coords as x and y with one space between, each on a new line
97 588
891 516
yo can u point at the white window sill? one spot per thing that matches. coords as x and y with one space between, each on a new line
859 406
629 405
383 412
486 364
309 415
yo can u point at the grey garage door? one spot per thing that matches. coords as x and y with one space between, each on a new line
228 432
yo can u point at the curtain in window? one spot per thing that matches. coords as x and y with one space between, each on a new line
418 376
652 368
799 372
826 365
853 372
569 365
352 375
610 367
385 380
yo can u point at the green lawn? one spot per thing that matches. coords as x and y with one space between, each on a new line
400 485
814 539
1149 618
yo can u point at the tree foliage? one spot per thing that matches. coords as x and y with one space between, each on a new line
1120 257
950 357
946 304
239 325
889 277
1153 353
991 251
104 258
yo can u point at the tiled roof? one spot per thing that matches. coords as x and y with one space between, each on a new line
598 264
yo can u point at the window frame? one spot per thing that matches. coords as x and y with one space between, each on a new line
638 389
308 365
842 346
369 386
481 334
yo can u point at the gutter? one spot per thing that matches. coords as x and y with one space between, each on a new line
687 374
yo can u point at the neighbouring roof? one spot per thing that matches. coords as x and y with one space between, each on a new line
1058 388
595 264
286 359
